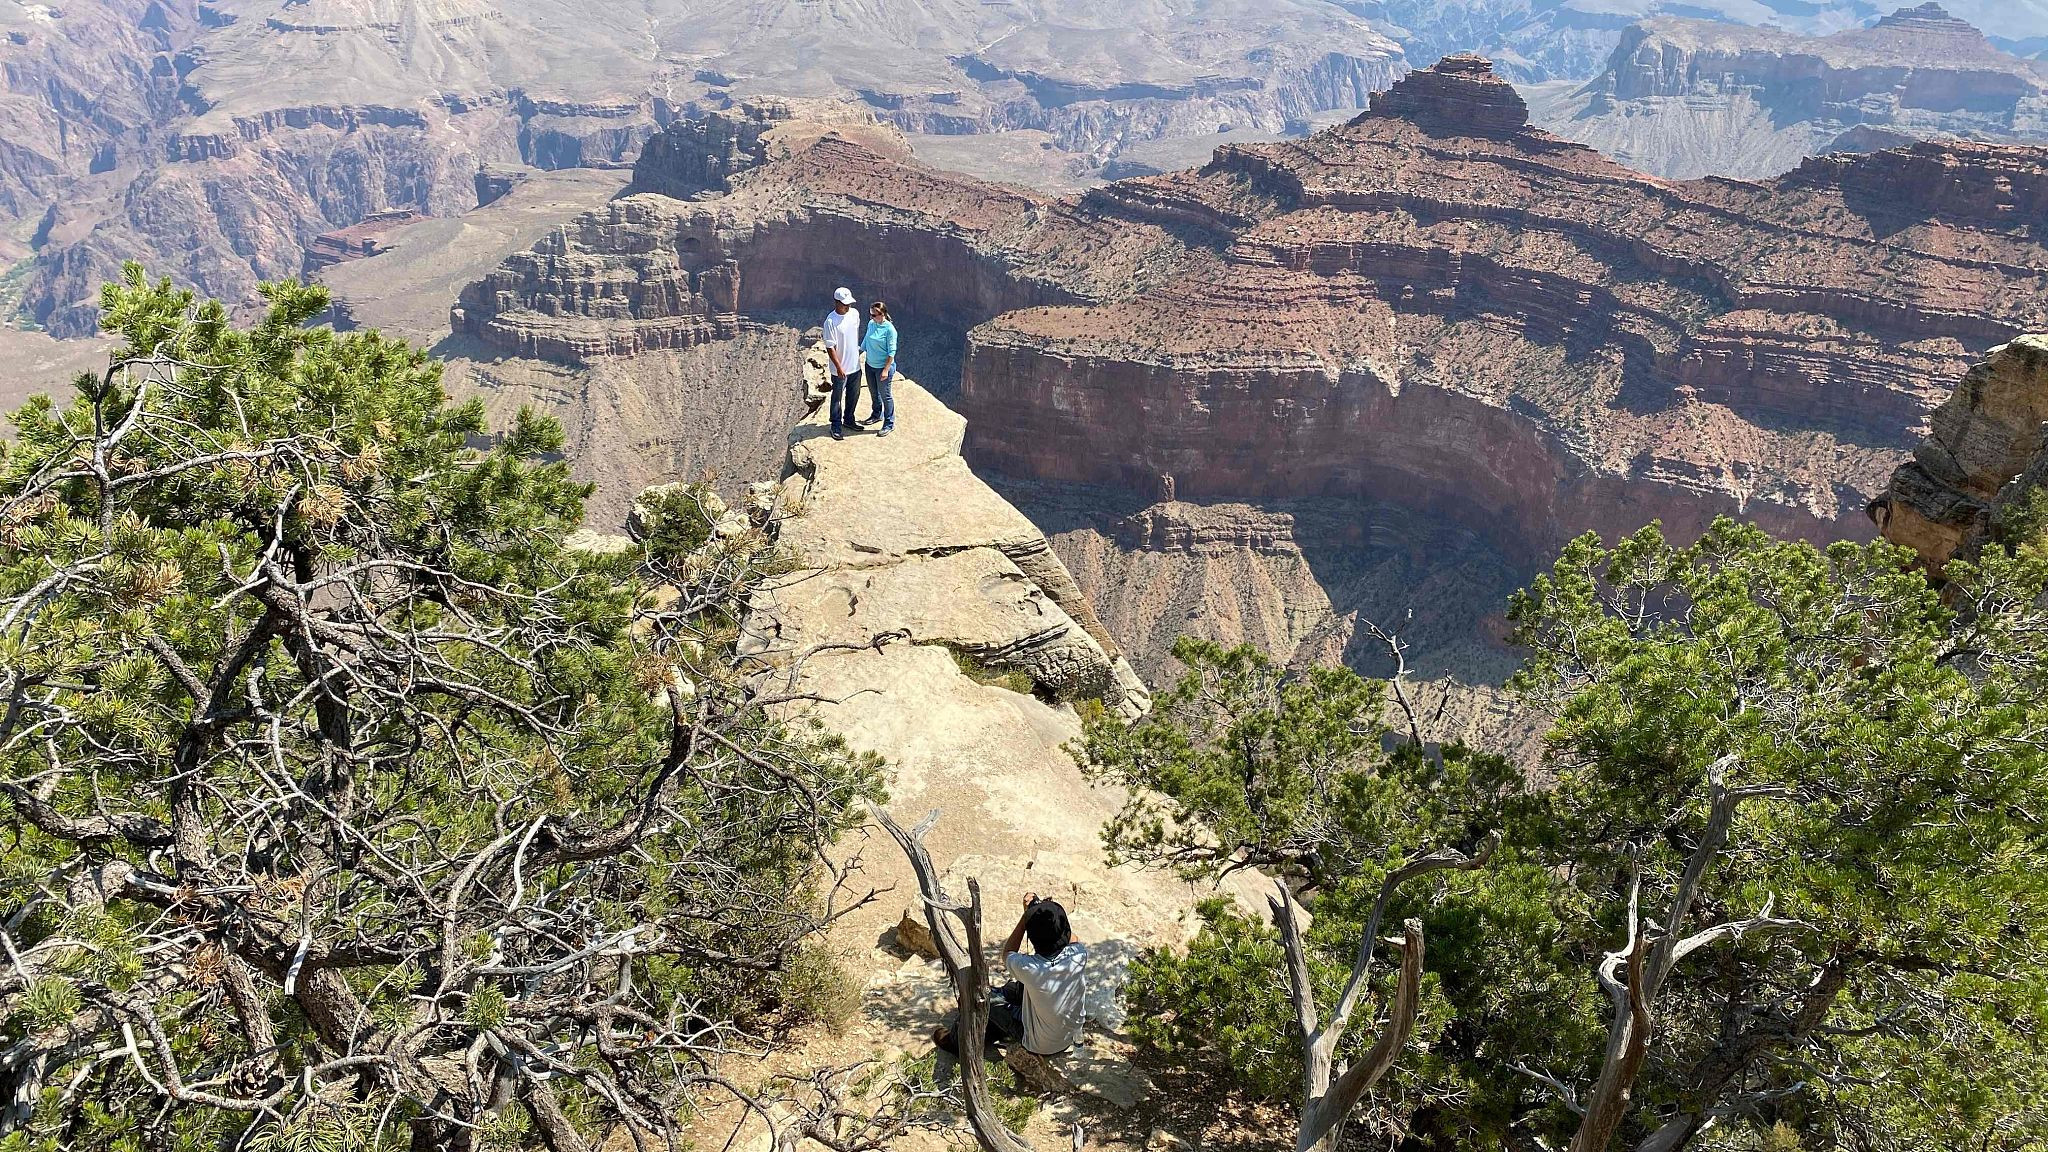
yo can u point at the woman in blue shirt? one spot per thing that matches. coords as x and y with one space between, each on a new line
878 352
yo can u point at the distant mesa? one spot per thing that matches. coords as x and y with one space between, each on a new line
1929 18
356 241
1457 95
1684 97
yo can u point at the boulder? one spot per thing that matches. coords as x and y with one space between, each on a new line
914 936
1986 451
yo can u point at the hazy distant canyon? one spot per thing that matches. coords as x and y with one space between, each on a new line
219 141
1689 97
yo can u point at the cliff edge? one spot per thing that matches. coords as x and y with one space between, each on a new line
938 594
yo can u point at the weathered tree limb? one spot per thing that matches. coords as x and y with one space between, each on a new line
1398 649
1634 975
956 930
1328 1092
1628 1047
1323 1119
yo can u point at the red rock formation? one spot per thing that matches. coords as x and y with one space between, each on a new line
631 277
216 141
1514 332
1434 306
1461 95
356 241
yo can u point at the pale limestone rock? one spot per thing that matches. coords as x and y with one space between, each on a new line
684 688
815 380
594 543
761 500
897 536
1987 447
870 503
975 601
730 525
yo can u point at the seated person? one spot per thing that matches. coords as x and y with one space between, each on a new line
1046 1005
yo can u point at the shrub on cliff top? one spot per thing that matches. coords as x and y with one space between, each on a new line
1788 889
344 806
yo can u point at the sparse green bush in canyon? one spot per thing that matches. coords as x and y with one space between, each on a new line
1786 887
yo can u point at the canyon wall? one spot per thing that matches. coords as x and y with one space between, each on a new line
812 204
1441 308
72 90
1435 307
1689 97
1535 42
217 142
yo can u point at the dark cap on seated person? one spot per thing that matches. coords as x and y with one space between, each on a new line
1045 925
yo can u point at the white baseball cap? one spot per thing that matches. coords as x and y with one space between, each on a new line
844 296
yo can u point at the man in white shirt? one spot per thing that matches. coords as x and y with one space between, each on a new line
842 347
1046 1006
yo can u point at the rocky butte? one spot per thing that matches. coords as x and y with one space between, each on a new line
1434 309
1688 97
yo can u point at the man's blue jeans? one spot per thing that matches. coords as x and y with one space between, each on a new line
881 396
845 395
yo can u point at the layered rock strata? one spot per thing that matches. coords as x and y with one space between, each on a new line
1535 41
1487 324
75 86
1984 459
701 153
1515 333
899 536
216 142
850 206
1689 97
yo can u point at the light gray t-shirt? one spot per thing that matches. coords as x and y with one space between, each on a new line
1055 997
842 333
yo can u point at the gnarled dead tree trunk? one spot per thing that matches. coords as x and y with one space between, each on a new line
1633 975
956 930
1329 1091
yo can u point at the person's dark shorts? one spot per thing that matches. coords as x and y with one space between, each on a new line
1005 1021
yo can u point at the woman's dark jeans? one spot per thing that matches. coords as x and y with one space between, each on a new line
881 396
